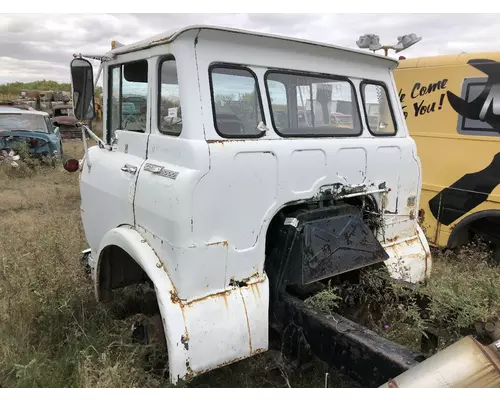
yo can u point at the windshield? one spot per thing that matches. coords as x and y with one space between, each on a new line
23 122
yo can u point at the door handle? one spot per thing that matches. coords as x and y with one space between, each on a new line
129 168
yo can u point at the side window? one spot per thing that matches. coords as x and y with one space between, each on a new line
169 106
128 94
304 104
482 105
236 102
378 110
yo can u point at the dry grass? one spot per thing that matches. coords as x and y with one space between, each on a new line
52 332
464 290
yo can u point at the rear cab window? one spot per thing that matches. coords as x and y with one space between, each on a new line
378 109
236 101
304 104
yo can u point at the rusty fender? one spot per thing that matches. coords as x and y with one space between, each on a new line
203 333
410 258
129 240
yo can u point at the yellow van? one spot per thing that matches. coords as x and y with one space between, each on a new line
452 109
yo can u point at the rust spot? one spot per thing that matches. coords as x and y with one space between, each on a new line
248 324
258 291
185 340
222 142
255 291
225 301
175 297
393 239
210 296
189 374
236 284
224 243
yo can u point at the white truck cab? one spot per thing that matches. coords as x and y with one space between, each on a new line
234 164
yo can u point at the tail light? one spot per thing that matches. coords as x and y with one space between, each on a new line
71 165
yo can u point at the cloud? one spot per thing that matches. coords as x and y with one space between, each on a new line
41 46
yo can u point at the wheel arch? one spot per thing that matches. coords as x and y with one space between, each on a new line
461 228
126 240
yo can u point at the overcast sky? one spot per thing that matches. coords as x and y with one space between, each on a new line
36 47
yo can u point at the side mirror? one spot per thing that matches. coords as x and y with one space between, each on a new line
82 80
57 131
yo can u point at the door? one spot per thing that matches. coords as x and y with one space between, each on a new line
108 187
157 194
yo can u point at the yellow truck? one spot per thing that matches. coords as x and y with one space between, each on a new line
452 110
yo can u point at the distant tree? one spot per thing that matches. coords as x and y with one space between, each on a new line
44 85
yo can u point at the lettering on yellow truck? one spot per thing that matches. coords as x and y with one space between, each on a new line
454 118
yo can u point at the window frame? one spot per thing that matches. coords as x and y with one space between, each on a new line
240 67
50 129
110 93
391 108
109 115
307 74
161 60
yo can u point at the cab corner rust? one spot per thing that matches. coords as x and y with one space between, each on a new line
174 297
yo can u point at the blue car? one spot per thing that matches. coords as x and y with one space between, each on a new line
31 127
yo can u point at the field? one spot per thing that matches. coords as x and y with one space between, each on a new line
54 334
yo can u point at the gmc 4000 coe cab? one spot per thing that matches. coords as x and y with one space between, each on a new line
251 162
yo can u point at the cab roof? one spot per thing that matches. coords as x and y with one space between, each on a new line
440 61
169 36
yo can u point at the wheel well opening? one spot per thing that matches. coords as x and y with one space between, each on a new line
118 270
485 227
366 203
275 250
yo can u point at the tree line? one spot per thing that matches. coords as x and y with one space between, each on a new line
43 85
